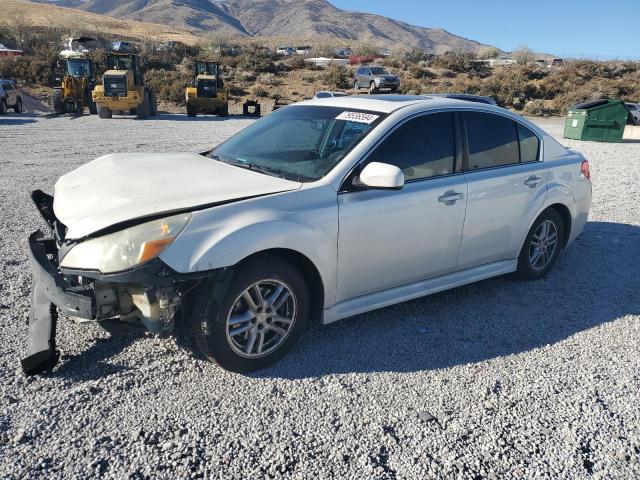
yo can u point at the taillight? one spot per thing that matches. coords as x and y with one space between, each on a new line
584 169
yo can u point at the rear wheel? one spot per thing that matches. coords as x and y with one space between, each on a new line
56 101
356 86
104 112
542 246
143 110
260 318
224 111
3 106
153 103
191 110
18 106
91 105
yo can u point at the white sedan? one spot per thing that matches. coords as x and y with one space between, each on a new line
322 210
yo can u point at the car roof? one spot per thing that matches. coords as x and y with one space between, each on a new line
389 103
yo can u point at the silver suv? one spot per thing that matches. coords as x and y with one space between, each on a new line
9 97
376 79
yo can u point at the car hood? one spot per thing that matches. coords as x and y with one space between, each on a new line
123 187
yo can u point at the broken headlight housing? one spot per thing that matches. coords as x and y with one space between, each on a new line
127 248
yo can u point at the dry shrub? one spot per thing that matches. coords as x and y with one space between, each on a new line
337 76
169 85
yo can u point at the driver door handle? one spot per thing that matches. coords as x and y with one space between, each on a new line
533 181
450 197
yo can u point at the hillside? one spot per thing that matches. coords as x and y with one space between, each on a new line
309 19
72 19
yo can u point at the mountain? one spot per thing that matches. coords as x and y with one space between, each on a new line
309 19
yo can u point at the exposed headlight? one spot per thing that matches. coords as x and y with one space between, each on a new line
127 248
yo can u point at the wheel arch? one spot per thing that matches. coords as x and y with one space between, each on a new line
308 270
565 214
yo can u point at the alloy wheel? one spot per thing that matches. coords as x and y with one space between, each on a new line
544 243
261 318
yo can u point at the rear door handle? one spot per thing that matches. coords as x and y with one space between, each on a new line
533 181
450 197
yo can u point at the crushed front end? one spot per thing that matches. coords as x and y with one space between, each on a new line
146 295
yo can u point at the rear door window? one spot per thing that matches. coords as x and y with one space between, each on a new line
492 141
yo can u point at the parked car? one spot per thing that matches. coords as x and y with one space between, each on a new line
285 50
466 96
634 113
10 97
375 200
375 79
327 94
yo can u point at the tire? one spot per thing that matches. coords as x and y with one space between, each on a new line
372 88
153 103
532 264
56 101
223 111
104 112
191 110
211 334
3 106
356 86
91 105
18 106
143 110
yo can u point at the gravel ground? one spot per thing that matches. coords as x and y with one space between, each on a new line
501 379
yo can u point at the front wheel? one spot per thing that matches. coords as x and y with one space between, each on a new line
191 110
3 106
104 112
91 105
259 319
542 246
143 109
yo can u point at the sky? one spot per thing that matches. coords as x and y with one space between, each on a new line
566 28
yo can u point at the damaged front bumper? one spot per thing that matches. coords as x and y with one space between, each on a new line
147 295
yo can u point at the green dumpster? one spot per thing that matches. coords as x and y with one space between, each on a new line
597 120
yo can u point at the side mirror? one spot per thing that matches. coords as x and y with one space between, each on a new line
382 175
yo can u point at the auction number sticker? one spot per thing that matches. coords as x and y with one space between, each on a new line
358 117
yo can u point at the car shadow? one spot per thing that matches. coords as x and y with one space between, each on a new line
16 121
596 281
90 364
183 117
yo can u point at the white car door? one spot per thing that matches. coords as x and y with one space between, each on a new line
389 238
507 184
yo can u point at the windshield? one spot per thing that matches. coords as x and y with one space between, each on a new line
78 67
116 62
206 69
301 143
379 71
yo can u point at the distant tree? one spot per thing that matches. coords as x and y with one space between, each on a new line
523 55
491 52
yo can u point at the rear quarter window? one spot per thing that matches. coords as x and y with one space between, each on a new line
529 144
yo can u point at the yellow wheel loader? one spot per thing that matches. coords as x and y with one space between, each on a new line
123 88
74 79
207 93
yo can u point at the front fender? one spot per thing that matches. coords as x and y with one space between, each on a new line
304 222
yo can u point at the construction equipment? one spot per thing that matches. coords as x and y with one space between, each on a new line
207 93
74 79
123 88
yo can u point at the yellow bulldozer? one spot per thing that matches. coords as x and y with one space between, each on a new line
123 88
207 93
74 79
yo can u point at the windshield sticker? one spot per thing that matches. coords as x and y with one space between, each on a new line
359 117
